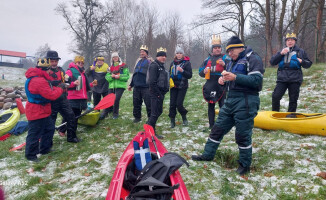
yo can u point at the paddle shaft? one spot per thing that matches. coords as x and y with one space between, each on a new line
77 117
154 142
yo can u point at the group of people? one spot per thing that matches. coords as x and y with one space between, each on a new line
233 80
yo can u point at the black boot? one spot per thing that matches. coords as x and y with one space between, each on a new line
184 120
243 170
172 122
200 158
104 114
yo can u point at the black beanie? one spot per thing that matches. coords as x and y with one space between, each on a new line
234 42
161 53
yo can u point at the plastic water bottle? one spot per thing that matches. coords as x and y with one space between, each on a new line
89 105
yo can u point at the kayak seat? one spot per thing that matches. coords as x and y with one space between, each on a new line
5 117
292 115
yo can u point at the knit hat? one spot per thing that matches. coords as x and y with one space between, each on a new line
234 42
179 50
114 54
161 52
291 36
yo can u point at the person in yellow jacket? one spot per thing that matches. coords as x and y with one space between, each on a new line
117 76
97 73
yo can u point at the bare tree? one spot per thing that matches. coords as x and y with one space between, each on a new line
231 11
320 42
88 21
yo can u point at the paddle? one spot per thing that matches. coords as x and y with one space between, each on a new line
149 129
106 102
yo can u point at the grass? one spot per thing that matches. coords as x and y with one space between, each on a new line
284 165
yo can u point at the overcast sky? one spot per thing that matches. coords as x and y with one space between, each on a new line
25 25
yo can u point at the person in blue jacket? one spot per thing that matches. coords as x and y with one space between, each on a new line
243 79
211 69
289 73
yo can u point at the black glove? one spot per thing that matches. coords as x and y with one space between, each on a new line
63 86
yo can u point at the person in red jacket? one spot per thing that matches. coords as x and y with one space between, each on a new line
39 93
77 91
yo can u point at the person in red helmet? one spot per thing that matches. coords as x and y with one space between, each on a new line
39 93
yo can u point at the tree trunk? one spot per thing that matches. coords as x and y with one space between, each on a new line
268 32
318 32
280 25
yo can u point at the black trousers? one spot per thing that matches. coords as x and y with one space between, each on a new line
40 129
115 108
141 94
177 97
211 110
97 97
63 107
279 91
156 109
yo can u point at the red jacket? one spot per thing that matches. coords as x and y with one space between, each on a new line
72 92
40 85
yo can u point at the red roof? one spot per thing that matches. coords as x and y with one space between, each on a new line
13 53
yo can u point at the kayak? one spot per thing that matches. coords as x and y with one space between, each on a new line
8 120
90 119
298 123
118 192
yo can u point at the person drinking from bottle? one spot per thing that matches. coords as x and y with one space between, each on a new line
211 70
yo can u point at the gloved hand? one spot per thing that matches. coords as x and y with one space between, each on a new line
63 86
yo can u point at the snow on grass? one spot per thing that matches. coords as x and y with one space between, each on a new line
283 163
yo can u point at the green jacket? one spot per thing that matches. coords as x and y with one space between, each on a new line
122 81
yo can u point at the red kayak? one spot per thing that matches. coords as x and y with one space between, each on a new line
116 190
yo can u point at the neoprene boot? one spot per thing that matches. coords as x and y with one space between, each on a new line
172 122
242 170
184 120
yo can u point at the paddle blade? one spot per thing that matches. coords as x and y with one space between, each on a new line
149 129
20 106
106 102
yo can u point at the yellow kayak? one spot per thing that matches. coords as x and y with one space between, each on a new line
298 123
8 120
90 119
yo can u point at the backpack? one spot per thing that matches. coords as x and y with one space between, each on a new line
153 182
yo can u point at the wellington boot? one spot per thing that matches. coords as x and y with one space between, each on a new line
184 120
172 122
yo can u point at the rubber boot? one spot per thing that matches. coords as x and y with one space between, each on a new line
104 114
210 149
242 170
184 120
172 122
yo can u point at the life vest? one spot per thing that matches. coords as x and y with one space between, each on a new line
142 154
34 98
142 66
290 61
241 67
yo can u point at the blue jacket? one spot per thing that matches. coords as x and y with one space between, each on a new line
249 69
289 67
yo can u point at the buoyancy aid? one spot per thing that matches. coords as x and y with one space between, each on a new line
35 98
